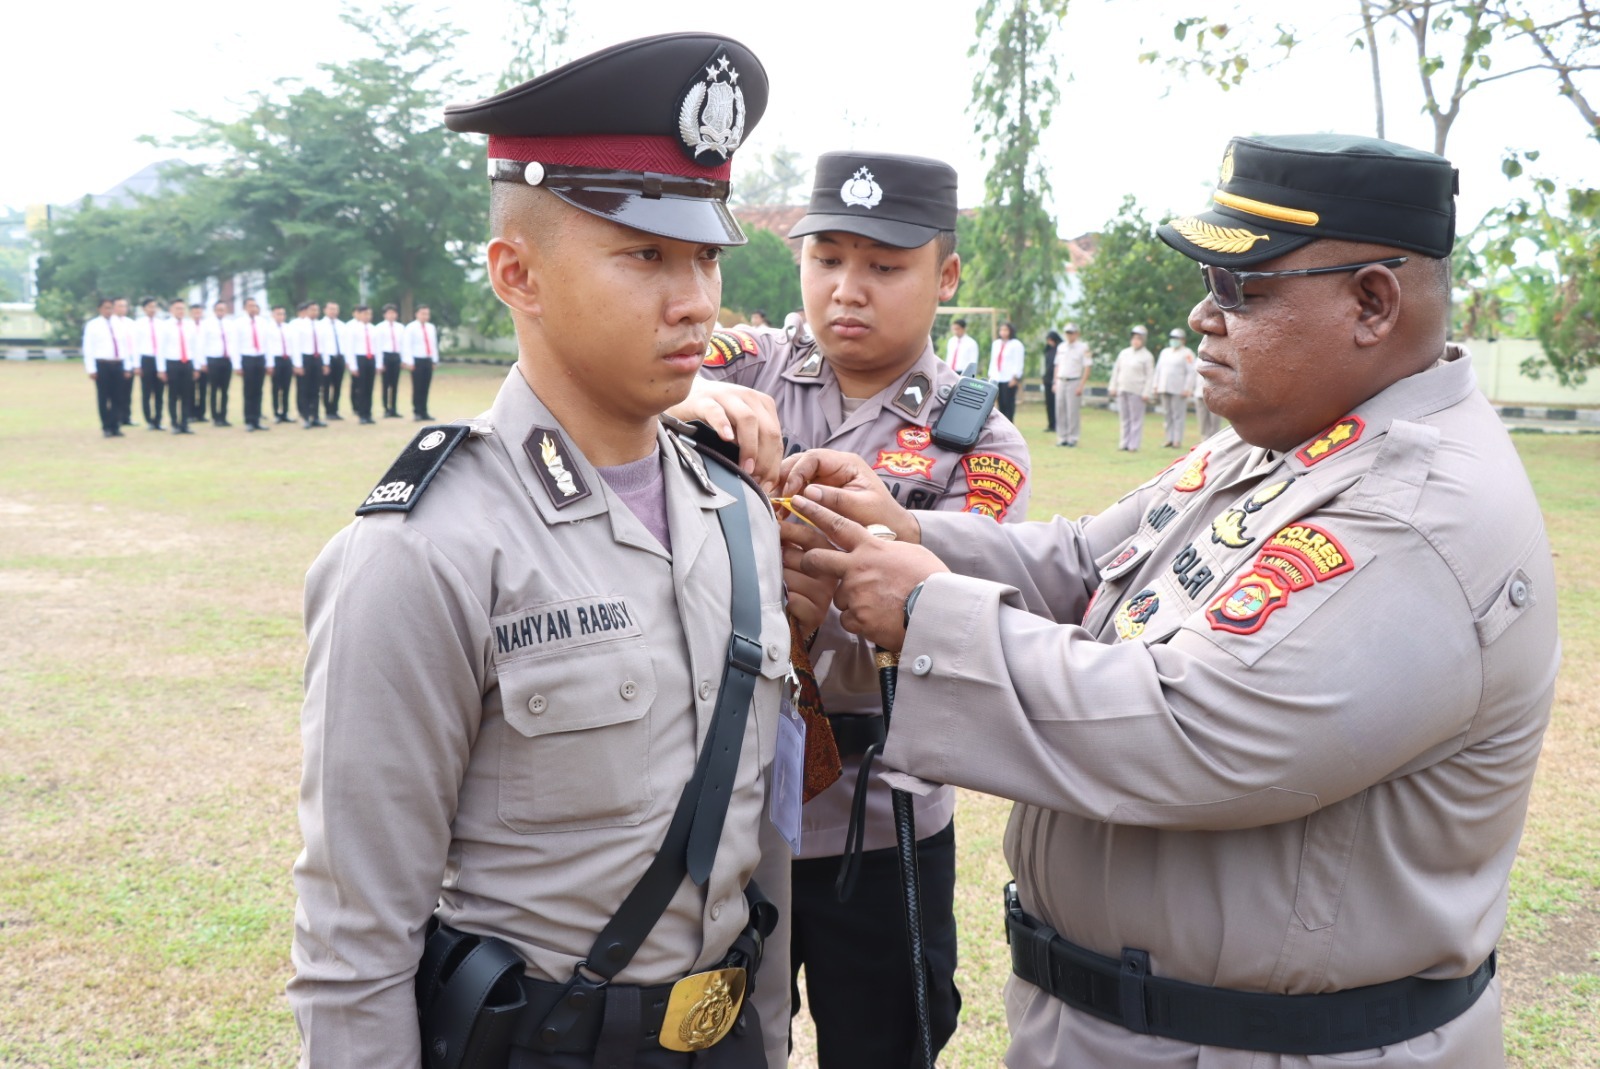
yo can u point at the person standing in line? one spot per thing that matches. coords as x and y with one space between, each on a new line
308 365
221 356
1047 379
249 346
177 352
362 344
961 349
1175 377
421 350
391 340
331 332
287 340
102 360
147 344
1131 386
1006 362
122 325
1072 373
200 381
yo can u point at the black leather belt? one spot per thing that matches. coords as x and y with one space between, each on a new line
1125 993
855 732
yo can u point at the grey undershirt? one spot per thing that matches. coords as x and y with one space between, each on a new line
640 485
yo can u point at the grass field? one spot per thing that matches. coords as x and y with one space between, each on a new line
150 658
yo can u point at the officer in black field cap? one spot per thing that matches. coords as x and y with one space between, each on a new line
1271 719
878 259
545 735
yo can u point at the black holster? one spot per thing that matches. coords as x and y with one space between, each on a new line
469 995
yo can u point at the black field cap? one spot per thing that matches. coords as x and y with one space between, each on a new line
899 200
1276 194
641 133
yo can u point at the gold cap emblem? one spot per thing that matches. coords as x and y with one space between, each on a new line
1227 239
1227 167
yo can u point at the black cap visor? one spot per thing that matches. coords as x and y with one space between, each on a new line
702 220
888 231
1230 241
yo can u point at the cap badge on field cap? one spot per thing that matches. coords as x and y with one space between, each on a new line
861 190
711 117
1216 238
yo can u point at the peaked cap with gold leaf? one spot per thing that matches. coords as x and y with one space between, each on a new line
1275 194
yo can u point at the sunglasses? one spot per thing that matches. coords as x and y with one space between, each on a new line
1227 287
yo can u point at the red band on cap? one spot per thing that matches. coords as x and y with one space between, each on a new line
613 152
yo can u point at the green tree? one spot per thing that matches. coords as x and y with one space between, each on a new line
781 177
1133 278
761 275
1014 255
157 247
358 174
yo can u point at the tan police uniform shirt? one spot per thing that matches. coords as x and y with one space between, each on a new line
1289 746
506 692
892 432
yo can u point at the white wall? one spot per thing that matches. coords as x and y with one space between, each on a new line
1498 365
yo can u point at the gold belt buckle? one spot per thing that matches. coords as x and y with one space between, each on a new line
702 1009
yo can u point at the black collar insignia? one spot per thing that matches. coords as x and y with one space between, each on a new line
550 456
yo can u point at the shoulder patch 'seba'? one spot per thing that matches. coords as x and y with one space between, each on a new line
727 346
401 486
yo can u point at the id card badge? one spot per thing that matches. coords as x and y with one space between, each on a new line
788 774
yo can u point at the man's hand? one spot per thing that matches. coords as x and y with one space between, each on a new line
746 417
845 484
874 575
809 595
162 375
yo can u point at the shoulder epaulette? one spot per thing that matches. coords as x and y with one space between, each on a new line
402 485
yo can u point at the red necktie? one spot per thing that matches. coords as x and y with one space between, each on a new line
222 329
183 345
368 328
315 351
427 344
116 350
255 339
153 349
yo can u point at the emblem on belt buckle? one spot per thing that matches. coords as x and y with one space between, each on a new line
702 1009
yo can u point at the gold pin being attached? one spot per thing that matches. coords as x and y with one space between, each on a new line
702 1009
783 503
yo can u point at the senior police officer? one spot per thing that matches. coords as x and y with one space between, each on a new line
1272 718
878 259
534 656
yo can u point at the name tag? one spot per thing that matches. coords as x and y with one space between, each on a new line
788 774
563 625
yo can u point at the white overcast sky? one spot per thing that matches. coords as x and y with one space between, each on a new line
864 74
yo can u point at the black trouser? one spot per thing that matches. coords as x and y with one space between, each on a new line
857 960
310 394
282 376
108 394
219 374
151 390
255 373
391 384
333 384
421 379
125 398
199 393
361 386
180 393
1008 401
1050 400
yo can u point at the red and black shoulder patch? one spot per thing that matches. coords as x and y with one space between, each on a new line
727 347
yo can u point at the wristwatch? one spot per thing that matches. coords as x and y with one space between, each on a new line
911 603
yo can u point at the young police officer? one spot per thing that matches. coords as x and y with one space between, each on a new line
531 730
879 257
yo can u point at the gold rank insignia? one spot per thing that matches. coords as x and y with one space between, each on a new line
1224 239
702 1009
1135 613
1227 168
904 462
1342 435
1228 530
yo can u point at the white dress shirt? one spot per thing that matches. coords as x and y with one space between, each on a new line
421 339
99 343
248 342
330 336
362 339
392 337
125 344
177 342
961 353
147 336
215 340
1006 360
304 340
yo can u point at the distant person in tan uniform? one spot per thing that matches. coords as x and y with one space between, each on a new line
543 689
1271 719
877 260
1132 387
